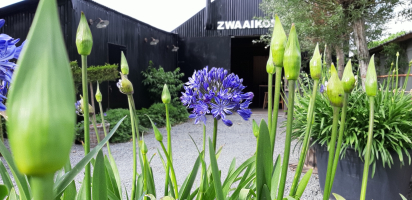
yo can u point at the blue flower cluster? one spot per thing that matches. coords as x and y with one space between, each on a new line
8 51
216 92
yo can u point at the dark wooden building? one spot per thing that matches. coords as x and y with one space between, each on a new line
124 33
220 35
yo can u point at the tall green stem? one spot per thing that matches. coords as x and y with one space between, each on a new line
42 187
171 170
332 144
104 128
305 140
214 132
202 176
134 146
86 127
278 81
368 149
340 139
291 99
270 83
95 128
169 147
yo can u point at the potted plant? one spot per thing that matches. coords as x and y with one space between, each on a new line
390 167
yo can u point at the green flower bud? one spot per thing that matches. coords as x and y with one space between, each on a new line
397 54
270 67
124 67
335 88
125 86
278 43
316 64
371 82
41 112
292 57
91 110
98 95
348 78
84 39
410 63
166 95
143 147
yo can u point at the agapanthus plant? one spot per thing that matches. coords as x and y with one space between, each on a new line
217 92
8 51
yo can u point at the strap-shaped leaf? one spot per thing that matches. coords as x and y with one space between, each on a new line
69 177
244 193
99 188
70 192
303 183
215 172
19 178
190 180
275 177
264 159
338 197
13 195
5 177
3 191
232 177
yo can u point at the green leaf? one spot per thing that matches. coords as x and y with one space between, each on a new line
3 191
13 195
18 178
70 192
190 180
110 178
167 198
81 195
403 198
231 178
215 172
303 183
266 193
99 188
264 159
69 177
338 197
151 196
116 176
139 186
275 177
244 193
5 177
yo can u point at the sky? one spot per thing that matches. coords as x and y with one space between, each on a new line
169 14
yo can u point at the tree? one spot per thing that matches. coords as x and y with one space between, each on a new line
333 22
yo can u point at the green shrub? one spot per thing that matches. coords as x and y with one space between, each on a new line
155 79
392 128
177 114
99 73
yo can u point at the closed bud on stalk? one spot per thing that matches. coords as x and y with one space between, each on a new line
84 39
270 67
371 82
158 135
397 54
348 78
335 88
91 110
124 66
166 95
292 57
125 86
410 63
41 113
98 95
143 147
278 43
316 64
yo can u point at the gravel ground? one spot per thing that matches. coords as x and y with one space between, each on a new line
238 142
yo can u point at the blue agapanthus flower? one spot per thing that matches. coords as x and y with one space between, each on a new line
216 92
8 51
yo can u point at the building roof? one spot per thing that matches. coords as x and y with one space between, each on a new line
401 38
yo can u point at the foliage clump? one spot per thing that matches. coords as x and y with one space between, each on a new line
392 128
376 43
156 78
98 73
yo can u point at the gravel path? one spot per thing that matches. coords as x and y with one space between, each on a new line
238 142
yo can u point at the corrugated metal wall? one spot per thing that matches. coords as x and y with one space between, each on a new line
122 30
223 10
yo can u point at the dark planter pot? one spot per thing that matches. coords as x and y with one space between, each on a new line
386 184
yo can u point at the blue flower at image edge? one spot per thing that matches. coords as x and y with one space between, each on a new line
8 51
216 92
